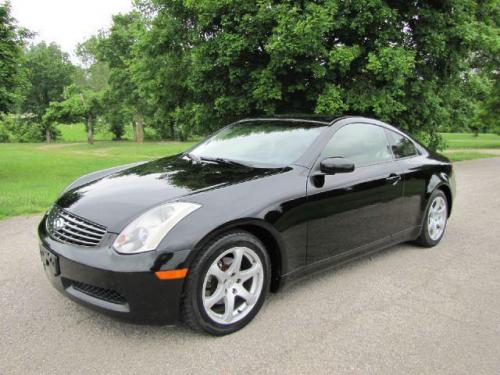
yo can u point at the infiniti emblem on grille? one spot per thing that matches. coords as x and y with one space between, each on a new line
59 223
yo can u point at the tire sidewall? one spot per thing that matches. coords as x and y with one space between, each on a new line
210 254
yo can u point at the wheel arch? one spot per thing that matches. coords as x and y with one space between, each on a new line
440 181
447 192
267 234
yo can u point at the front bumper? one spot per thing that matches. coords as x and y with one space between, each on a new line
124 286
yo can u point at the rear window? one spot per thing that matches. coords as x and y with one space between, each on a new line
401 146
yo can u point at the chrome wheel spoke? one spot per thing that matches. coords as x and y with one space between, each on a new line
228 307
249 273
217 296
249 298
236 264
215 271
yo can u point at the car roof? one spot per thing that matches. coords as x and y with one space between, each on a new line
325 120
319 119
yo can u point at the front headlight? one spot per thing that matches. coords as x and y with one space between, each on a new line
146 232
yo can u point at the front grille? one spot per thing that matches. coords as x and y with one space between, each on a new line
108 295
69 228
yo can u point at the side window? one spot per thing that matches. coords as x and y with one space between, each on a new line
363 144
401 146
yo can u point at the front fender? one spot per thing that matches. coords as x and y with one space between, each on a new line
196 240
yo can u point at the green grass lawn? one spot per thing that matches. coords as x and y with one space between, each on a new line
461 155
467 140
466 146
32 175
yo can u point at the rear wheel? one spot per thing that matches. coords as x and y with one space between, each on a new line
435 221
227 284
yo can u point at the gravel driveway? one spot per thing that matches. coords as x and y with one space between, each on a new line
404 310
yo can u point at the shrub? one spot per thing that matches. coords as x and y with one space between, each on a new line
151 135
4 134
23 129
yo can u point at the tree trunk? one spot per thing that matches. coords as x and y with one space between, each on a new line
48 134
90 130
139 128
172 130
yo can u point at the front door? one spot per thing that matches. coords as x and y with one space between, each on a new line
349 210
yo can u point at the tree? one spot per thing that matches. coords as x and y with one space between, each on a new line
488 112
12 40
115 114
78 106
400 61
93 74
162 70
486 63
49 71
116 49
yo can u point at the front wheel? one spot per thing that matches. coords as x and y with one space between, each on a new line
227 284
436 217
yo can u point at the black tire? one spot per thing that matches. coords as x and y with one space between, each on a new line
424 238
192 310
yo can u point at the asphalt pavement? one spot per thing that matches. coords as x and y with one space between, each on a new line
405 310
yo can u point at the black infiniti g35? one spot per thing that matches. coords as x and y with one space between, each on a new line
204 235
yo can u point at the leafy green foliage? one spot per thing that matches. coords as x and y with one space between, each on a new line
402 62
22 129
486 62
49 71
183 67
79 105
12 39
116 50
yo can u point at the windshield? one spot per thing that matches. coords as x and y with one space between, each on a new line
269 143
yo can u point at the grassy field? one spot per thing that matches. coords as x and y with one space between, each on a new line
466 146
32 175
467 140
461 155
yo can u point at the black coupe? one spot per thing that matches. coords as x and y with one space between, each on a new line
204 235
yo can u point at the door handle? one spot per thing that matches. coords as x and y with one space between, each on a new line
394 178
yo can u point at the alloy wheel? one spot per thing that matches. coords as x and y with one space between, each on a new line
436 219
233 285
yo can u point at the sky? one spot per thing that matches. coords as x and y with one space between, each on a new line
66 22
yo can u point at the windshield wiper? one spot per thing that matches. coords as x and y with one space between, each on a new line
223 161
191 156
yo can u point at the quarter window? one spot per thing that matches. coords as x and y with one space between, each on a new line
401 146
362 144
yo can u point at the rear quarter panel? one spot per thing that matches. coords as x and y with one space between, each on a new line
423 175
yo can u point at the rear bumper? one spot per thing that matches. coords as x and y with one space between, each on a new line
129 290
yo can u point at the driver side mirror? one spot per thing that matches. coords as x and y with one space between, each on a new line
336 165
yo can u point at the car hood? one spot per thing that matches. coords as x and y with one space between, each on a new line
117 198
